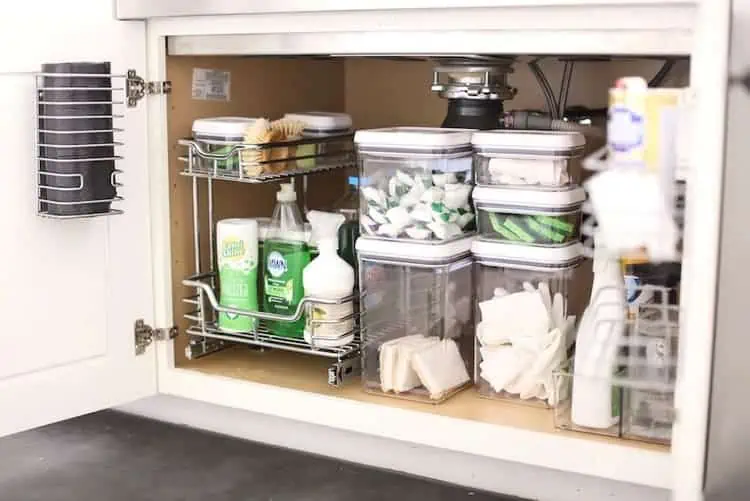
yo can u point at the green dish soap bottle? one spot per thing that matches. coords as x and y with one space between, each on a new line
285 255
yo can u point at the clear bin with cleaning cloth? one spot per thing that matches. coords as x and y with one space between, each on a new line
525 318
530 217
416 318
218 135
416 183
527 158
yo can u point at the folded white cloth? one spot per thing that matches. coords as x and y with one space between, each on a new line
501 366
528 171
521 314
523 339
440 367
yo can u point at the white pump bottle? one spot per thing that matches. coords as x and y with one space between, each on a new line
328 277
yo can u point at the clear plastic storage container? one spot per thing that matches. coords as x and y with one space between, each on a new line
219 135
527 158
416 317
525 319
637 402
415 183
530 217
324 125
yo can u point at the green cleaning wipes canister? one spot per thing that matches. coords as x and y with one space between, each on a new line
237 257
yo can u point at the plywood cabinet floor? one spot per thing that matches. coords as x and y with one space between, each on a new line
289 370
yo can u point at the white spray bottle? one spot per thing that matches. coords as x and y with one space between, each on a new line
328 277
597 343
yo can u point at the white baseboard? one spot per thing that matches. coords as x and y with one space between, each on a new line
476 472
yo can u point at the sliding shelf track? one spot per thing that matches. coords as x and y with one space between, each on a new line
344 357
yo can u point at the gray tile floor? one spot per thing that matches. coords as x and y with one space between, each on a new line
116 457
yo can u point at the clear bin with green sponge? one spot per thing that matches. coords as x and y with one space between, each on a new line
529 217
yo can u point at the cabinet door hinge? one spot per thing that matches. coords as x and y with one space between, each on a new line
137 88
145 335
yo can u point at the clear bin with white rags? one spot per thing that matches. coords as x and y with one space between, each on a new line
416 318
219 135
333 130
415 183
541 159
527 216
525 319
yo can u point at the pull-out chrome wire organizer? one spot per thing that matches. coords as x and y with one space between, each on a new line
269 162
284 161
645 371
76 147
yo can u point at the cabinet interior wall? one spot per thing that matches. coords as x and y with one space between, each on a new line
376 93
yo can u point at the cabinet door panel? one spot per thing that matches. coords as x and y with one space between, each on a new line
70 289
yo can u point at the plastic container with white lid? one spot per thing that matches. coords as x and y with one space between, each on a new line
219 135
322 123
527 158
416 317
530 217
418 183
528 290
332 133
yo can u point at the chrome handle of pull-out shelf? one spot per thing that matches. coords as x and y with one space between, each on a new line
209 292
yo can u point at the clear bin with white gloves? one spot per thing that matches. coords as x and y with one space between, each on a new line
525 321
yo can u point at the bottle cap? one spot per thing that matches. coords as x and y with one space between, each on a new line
325 226
286 193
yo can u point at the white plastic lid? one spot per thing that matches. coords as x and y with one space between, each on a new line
233 127
564 198
286 193
410 252
530 142
322 121
532 257
414 137
238 221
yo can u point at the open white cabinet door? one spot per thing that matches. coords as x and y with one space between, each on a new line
70 290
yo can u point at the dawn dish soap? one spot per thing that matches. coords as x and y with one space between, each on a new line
285 255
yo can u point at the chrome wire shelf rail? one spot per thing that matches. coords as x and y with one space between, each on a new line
345 357
273 162
263 337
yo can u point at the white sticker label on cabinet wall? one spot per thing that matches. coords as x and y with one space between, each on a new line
211 85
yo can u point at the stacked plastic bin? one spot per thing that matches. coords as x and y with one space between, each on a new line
414 255
528 207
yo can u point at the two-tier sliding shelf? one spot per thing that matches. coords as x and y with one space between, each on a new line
257 164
